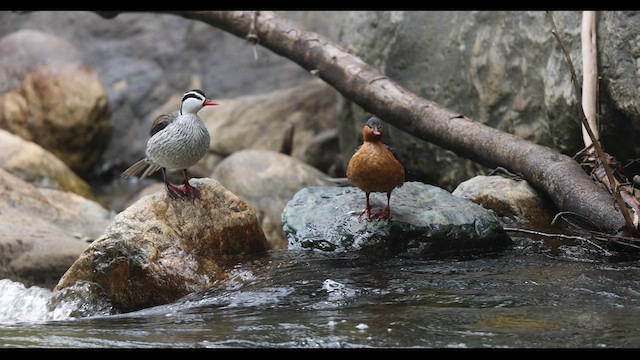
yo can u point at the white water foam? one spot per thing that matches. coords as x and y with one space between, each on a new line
19 303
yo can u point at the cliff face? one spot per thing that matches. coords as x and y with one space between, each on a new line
502 68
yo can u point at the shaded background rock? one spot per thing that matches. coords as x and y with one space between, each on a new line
158 250
267 180
261 121
144 59
51 97
323 153
426 221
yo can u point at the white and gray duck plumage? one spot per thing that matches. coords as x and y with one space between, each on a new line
178 141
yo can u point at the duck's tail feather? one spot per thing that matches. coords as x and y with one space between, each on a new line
141 168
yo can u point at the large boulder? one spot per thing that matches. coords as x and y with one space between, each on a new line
502 68
159 249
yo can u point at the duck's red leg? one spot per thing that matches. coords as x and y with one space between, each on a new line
173 191
189 191
366 211
386 213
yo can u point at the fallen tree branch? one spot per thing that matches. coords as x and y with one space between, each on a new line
555 174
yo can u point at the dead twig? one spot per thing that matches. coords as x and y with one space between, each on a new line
623 241
561 236
506 172
252 36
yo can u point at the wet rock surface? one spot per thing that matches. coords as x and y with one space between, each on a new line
426 221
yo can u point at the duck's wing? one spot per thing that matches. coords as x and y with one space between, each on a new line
392 150
162 121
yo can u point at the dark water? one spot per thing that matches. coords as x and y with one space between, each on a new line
530 296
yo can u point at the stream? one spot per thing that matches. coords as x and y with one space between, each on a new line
535 295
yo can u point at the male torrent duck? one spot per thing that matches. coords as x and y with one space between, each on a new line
178 140
373 168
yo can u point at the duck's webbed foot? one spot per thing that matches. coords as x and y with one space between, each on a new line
191 192
383 214
185 191
366 211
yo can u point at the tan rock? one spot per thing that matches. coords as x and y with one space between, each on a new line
43 231
32 163
507 197
158 249
53 99
34 251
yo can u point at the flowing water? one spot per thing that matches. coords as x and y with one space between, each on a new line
531 296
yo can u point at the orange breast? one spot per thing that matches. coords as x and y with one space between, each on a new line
374 169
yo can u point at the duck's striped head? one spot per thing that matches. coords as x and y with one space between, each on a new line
193 101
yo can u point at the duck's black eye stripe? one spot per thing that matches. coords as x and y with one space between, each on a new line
191 95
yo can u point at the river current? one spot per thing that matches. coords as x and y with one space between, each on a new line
533 295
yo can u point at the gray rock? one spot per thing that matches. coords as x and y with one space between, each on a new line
324 154
502 68
426 221
260 121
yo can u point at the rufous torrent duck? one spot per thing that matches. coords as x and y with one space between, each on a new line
373 168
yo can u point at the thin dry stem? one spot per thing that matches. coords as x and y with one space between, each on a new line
596 144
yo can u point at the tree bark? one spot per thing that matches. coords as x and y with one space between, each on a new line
555 174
